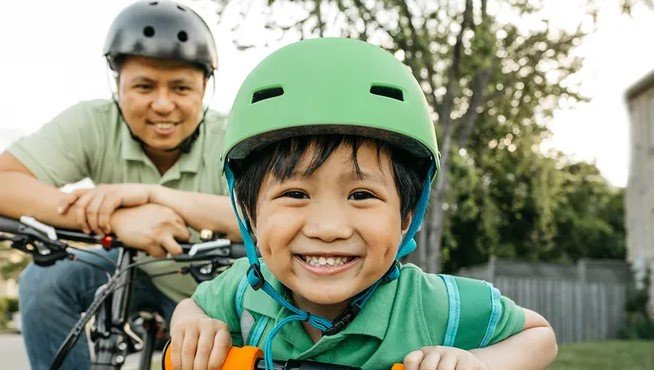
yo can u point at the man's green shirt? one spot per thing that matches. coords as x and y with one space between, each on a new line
90 139
414 311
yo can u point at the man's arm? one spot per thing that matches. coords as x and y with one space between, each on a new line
22 194
199 210
533 348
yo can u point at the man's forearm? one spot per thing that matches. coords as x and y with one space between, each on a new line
22 194
533 348
200 210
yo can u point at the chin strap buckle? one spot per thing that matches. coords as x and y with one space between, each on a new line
255 277
392 274
342 320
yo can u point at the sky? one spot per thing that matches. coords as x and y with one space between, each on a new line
51 58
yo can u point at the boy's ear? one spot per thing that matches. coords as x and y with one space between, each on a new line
406 222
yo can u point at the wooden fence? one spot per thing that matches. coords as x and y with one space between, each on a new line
585 302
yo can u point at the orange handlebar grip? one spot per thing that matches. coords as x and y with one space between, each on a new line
238 358
167 359
397 367
244 358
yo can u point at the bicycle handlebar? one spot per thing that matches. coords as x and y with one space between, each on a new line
251 358
53 249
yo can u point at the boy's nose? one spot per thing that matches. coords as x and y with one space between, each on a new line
328 223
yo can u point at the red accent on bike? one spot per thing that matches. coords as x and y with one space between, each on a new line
107 242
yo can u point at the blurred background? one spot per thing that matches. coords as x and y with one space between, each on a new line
545 119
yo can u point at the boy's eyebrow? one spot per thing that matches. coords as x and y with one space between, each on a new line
350 176
365 176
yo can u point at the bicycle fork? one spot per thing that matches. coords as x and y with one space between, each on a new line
112 338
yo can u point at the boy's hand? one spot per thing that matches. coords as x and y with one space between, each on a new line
199 343
442 358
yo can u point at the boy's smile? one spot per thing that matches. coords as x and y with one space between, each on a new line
332 234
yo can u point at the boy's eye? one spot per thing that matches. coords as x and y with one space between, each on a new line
361 195
295 194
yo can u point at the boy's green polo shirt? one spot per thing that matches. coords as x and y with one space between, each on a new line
404 315
91 140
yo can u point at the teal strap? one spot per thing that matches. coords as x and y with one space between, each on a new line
257 332
250 248
408 245
454 309
496 313
240 294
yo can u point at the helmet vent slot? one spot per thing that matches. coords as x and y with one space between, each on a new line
182 36
267 93
387 91
154 3
148 31
180 8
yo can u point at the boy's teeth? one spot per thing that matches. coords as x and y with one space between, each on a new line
164 125
319 261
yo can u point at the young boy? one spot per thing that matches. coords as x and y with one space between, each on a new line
330 152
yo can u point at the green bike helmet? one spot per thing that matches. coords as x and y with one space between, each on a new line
164 30
325 86
330 85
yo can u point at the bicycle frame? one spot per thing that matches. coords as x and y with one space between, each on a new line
111 335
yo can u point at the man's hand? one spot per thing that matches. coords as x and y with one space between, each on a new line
93 207
196 340
151 228
442 358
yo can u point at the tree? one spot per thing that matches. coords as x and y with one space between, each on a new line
492 81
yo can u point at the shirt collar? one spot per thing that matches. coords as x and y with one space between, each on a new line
372 320
131 149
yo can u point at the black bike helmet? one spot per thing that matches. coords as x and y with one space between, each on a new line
164 30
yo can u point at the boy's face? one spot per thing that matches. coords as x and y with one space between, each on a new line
330 235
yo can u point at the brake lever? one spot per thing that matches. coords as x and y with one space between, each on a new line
204 251
33 238
34 247
48 230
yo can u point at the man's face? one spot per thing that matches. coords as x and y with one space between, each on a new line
330 235
161 101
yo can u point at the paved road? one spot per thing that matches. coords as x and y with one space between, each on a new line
13 356
12 352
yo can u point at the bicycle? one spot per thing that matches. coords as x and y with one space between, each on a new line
112 334
251 358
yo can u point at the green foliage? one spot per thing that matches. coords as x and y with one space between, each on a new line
524 205
638 324
8 305
493 82
590 217
12 262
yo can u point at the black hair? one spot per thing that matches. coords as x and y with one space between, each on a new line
281 158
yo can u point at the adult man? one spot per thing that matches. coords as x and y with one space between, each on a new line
154 153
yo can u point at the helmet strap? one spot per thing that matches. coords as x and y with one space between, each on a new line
257 281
